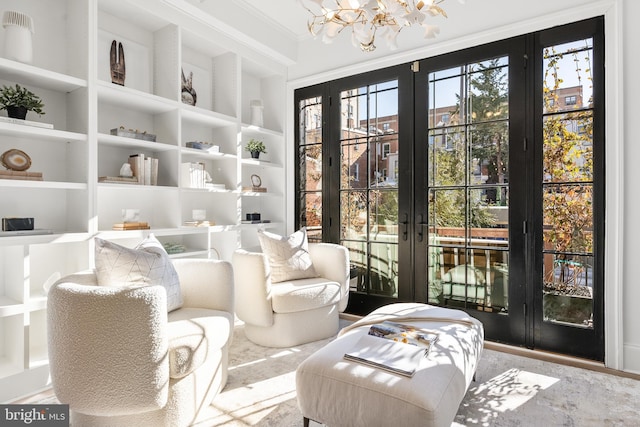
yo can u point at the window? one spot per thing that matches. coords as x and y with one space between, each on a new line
570 100
386 148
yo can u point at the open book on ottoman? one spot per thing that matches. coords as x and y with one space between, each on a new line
394 347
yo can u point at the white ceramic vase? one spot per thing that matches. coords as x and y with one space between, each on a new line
18 43
256 113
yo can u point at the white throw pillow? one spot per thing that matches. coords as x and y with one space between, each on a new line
288 256
146 265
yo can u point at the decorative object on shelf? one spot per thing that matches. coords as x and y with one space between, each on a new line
189 95
253 216
366 17
203 223
18 43
255 147
15 160
198 214
126 171
256 113
131 215
18 101
15 224
117 63
174 248
133 133
256 181
205 146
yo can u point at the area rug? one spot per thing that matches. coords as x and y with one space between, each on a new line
509 391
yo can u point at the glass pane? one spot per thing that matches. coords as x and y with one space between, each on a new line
384 269
489 91
447 212
384 161
310 121
353 215
354 164
444 101
358 265
568 147
383 216
568 289
489 155
487 222
311 210
311 168
354 103
447 156
568 76
568 218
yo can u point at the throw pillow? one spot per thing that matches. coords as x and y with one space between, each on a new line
288 256
147 264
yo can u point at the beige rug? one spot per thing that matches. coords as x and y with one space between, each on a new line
510 391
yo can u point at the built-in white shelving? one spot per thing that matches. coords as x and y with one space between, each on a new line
71 73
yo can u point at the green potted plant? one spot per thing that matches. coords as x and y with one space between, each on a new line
19 100
255 147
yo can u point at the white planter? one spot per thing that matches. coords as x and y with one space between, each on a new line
18 44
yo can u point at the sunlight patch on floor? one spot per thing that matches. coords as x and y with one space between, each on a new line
511 389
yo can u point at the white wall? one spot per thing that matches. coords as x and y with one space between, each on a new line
482 21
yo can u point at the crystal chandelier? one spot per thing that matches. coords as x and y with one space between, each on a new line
366 17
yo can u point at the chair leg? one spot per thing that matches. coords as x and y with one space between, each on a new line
305 422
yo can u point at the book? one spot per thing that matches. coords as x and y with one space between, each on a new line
131 226
21 175
118 179
154 171
403 333
26 122
393 347
147 171
254 189
137 166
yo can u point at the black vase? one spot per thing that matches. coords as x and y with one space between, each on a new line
17 112
255 154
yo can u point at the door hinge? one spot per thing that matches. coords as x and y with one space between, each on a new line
330 161
329 221
525 61
524 309
525 144
415 67
525 228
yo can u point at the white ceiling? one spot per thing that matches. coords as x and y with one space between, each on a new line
288 16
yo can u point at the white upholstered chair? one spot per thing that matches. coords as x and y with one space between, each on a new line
291 312
119 359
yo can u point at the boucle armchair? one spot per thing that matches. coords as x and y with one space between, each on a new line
119 359
291 312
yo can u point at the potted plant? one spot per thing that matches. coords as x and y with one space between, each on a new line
19 100
255 147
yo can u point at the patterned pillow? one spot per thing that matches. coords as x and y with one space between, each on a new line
288 256
148 264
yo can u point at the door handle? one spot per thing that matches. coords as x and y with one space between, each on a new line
405 225
420 226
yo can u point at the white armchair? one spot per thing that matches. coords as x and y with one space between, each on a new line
291 312
119 359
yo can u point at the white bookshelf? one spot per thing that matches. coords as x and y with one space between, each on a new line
70 72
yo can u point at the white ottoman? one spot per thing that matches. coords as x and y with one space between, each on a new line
336 392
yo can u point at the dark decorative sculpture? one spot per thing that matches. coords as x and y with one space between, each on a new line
118 70
188 94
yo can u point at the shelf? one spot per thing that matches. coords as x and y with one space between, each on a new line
261 163
134 99
10 307
29 75
125 142
206 117
10 129
51 185
251 129
206 154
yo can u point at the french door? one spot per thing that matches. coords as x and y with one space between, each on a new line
472 180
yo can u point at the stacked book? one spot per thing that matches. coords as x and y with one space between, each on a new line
145 168
193 175
131 226
393 347
23 175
